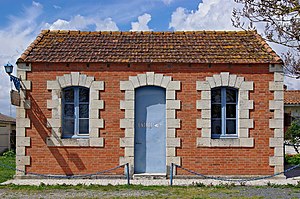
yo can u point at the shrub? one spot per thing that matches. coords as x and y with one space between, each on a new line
292 135
9 153
292 159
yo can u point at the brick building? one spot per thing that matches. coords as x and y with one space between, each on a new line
208 101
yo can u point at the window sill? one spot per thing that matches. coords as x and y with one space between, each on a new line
75 142
225 142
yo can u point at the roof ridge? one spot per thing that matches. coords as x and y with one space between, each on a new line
32 45
142 32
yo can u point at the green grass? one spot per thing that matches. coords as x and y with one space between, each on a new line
6 173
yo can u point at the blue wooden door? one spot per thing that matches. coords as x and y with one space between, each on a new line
150 130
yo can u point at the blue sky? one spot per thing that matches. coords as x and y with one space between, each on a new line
22 20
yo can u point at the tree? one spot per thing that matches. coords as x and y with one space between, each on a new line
281 20
292 135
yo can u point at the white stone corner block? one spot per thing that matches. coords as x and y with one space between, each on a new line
276 160
276 142
126 142
278 77
23 123
53 123
203 123
51 104
246 123
174 86
96 123
273 105
202 86
203 142
22 141
246 142
96 142
173 123
275 123
126 123
23 160
97 104
203 104
276 86
170 95
126 85
175 160
51 85
173 142
173 104
248 86
126 104
275 68
97 85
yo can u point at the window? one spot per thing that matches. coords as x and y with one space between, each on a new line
75 112
223 112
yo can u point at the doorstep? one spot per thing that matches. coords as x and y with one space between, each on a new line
149 176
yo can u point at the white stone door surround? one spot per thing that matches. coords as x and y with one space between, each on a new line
150 79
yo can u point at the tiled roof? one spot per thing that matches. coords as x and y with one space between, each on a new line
292 97
5 118
147 47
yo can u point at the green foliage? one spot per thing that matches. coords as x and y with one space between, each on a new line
6 168
293 132
9 153
292 159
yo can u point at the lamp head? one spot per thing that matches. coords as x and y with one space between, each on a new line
8 68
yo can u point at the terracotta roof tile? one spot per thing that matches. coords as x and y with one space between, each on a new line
292 97
134 47
7 119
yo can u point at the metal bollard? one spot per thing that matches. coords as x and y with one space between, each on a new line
127 174
171 174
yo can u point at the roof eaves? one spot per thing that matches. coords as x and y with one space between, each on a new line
24 55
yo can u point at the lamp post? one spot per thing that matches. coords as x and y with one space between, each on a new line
17 81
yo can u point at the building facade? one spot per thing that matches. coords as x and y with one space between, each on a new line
7 133
208 101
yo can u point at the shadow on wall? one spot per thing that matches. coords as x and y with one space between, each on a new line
39 121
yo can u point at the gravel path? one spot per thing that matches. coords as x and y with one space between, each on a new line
232 192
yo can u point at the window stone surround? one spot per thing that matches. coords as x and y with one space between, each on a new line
243 117
276 123
55 104
172 123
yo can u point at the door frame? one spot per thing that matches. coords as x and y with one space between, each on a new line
172 122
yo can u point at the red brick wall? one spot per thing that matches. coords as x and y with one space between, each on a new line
213 161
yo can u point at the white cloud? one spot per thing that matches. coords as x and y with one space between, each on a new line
56 7
210 15
167 2
142 24
14 39
80 23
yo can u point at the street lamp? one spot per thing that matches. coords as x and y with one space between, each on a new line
17 81
8 68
